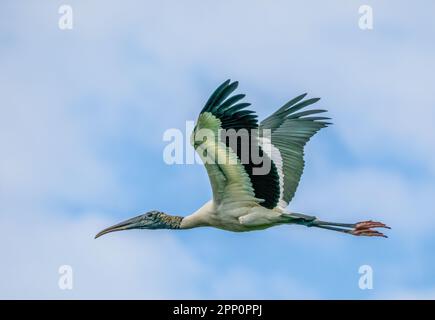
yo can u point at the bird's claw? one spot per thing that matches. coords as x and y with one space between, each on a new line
364 229
367 233
370 224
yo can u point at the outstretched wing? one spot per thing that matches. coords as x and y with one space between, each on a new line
232 175
290 129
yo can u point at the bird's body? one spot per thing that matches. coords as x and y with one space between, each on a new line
237 219
254 168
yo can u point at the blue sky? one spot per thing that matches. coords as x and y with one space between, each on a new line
82 115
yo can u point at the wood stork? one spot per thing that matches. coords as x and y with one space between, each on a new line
243 200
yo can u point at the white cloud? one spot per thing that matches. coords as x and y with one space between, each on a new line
127 265
141 265
364 193
408 294
276 50
242 283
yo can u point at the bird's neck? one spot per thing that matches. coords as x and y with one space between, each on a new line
200 218
170 222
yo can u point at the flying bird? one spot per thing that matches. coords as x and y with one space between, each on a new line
244 197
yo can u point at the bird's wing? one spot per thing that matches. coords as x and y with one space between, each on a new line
233 180
290 129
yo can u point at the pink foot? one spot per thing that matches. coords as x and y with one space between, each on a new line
364 229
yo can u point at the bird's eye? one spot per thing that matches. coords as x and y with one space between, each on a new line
151 215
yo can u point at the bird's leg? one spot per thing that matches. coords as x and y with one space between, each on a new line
363 228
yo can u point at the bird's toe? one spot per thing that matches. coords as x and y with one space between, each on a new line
370 224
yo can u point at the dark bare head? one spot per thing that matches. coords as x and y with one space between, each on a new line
150 220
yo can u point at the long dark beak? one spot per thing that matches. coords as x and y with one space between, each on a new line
132 223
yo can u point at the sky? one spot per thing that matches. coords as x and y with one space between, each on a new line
82 118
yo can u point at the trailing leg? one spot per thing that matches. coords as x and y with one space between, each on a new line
363 228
